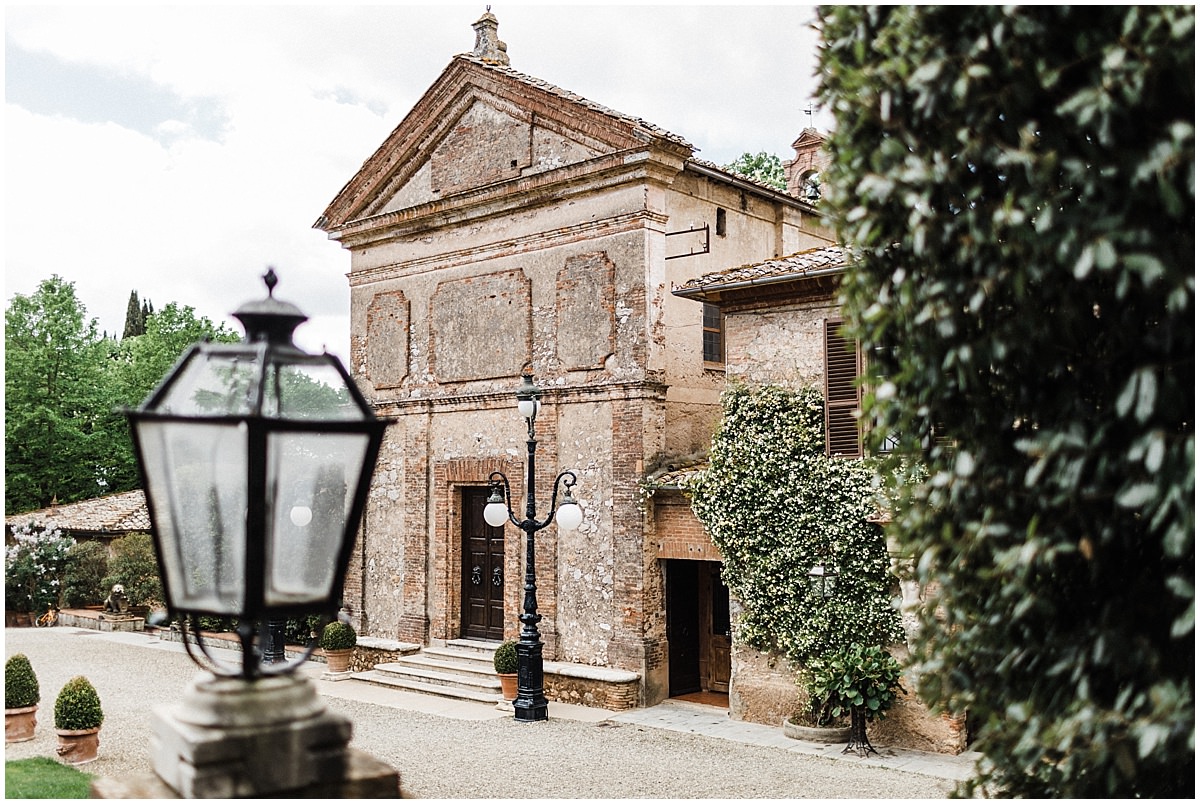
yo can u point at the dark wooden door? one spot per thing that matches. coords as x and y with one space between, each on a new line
683 631
482 570
719 642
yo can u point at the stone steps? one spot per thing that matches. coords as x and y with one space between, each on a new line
462 669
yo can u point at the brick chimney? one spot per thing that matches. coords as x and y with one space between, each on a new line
487 44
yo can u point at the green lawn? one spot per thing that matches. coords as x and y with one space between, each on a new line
42 777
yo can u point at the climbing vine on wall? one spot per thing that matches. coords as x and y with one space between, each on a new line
775 506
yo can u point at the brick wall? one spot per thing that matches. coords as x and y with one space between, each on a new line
677 531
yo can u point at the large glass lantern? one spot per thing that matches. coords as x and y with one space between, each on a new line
256 459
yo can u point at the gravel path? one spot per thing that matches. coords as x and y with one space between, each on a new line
440 757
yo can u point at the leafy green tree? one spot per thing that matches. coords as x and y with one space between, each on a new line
1018 186
761 167
135 316
54 398
137 366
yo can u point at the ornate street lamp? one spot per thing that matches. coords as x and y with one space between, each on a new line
256 459
531 703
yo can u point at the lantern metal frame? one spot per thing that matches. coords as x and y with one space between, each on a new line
530 704
268 346
822 579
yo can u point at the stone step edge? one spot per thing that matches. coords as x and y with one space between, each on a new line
396 670
422 661
371 677
567 669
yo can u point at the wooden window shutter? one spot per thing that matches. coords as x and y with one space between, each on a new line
843 398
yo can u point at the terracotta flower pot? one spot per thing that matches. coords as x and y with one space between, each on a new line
77 746
338 661
508 686
19 724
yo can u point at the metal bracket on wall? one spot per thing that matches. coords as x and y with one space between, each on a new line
691 252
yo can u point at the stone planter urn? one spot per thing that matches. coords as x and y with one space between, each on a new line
20 724
826 735
77 746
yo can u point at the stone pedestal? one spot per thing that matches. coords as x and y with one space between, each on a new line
232 738
366 777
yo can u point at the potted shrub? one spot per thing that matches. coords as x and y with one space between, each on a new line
77 719
813 719
337 642
21 697
505 662
858 680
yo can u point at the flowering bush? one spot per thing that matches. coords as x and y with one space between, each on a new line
776 506
35 564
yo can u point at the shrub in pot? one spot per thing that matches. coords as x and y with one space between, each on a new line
21 697
77 719
338 640
859 680
505 662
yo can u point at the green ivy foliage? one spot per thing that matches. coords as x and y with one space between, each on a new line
1018 184
775 506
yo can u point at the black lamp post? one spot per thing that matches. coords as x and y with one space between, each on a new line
256 459
531 704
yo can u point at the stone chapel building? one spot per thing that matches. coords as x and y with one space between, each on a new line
507 223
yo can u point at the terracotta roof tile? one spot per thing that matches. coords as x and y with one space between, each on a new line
115 513
673 477
792 266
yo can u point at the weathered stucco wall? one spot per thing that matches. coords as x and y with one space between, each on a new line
585 567
780 345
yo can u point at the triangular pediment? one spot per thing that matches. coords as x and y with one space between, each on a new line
479 125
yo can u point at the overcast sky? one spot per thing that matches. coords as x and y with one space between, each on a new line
179 151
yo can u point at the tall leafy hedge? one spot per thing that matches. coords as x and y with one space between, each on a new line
1018 186
775 506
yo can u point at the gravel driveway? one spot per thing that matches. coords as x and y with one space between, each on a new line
443 757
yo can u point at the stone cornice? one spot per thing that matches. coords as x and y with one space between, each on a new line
503 399
502 199
587 230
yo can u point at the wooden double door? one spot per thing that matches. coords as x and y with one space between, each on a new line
698 635
482 570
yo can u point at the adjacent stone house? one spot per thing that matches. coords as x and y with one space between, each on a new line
782 326
507 223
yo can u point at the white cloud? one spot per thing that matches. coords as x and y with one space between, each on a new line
181 213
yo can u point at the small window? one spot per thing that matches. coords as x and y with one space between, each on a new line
714 334
720 222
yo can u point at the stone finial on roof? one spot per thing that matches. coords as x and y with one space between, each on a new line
487 43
